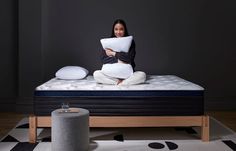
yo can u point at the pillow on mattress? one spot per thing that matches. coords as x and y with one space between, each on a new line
71 73
117 44
117 70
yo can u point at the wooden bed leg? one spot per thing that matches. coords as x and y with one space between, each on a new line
205 129
32 129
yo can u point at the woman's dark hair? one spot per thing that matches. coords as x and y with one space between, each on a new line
122 22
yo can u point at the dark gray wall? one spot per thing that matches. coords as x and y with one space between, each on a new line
8 57
30 51
191 39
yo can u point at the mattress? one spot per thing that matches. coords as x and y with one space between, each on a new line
159 95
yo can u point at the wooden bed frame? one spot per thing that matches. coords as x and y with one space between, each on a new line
129 121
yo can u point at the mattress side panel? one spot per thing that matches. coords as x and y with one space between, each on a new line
127 106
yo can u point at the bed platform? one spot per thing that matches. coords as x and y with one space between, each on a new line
161 101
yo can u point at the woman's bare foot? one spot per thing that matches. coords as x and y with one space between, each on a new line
119 81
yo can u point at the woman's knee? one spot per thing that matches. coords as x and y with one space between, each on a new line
97 73
141 75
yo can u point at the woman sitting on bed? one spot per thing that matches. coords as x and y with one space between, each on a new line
109 56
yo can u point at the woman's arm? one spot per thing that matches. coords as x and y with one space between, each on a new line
127 57
107 59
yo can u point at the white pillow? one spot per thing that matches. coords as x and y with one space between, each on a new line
117 44
117 70
71 73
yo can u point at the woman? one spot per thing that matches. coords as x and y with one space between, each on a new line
119 29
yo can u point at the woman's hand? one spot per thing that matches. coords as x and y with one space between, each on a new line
110 52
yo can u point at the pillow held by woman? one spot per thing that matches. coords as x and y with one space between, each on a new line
71 73
120 44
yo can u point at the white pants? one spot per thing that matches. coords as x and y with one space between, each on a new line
137 78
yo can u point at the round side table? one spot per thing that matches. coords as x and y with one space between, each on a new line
70 130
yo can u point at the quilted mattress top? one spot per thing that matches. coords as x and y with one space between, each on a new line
153 82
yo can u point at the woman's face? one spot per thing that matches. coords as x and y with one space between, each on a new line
119 30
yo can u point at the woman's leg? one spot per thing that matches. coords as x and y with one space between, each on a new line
137 78
104 79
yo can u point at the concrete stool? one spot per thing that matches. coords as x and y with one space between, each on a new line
70 130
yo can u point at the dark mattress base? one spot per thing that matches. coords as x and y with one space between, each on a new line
176 105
